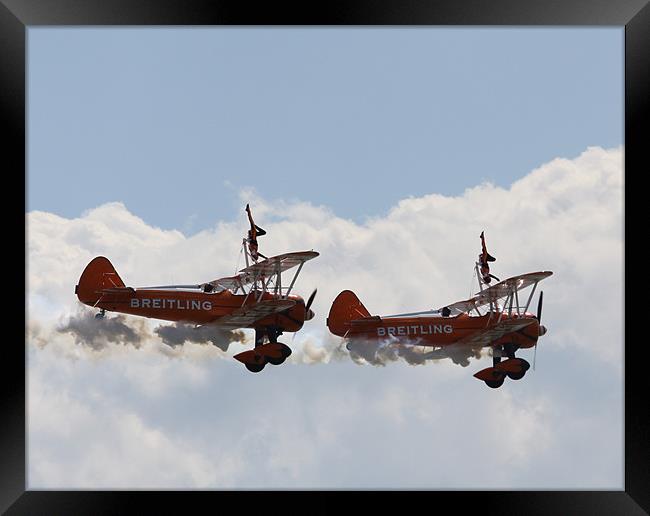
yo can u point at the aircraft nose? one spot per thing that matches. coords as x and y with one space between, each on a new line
309 315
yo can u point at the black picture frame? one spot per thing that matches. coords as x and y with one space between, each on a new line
17 15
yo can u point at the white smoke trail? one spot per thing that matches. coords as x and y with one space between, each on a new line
381 352
97 334
178 333
322 349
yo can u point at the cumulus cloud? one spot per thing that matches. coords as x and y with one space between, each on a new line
565 216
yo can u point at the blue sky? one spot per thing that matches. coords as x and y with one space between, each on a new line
175 122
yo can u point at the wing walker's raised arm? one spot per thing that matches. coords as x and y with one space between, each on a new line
251 240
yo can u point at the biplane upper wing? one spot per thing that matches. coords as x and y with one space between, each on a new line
265 268
462 306
247 315
276 264
491 333
231 282
506 287
499 290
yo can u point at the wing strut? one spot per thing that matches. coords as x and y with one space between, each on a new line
295 277
531 296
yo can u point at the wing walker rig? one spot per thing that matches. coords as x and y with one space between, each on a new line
256 297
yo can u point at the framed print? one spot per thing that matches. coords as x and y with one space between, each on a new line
173 143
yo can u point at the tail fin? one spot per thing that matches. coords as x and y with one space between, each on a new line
98 274
345 308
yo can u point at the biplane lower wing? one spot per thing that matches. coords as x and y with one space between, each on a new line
491 333
246 316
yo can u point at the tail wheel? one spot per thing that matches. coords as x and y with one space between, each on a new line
254 368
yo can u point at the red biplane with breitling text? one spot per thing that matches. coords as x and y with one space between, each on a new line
505 324
256 298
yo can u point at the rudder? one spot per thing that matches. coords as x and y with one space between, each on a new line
345 308
97 275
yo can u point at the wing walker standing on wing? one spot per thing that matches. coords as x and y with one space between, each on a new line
255 298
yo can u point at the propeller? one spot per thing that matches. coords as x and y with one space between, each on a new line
309 314
542 329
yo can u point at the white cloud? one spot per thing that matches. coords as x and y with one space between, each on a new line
151 416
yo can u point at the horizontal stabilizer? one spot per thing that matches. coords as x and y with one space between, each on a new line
365 320
118 290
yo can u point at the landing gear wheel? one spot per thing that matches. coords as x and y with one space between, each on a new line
495 383
255 368
275 361
516 376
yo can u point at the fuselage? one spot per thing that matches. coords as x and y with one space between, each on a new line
195 307
439 331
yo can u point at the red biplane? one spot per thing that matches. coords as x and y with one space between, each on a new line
256 298
505 325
